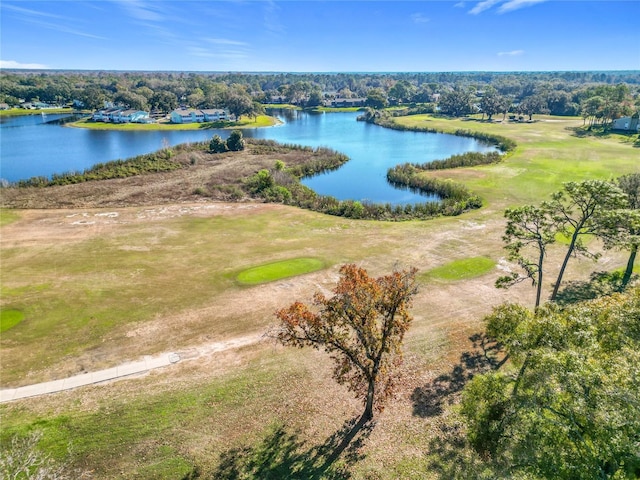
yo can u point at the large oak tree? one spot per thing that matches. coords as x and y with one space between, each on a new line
361 326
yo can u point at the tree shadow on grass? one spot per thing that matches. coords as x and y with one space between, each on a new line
281 454
584 131
429 400
599 284
451 457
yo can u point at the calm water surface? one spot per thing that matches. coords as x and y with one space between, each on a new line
38 146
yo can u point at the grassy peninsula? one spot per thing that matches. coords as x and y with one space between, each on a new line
244 122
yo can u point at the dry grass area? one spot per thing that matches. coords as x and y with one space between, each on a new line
152 231
203 176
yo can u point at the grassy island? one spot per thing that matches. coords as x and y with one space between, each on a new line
244 122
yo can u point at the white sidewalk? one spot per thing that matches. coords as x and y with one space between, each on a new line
121 371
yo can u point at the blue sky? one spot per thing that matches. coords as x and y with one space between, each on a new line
321 36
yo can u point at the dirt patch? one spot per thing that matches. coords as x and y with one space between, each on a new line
204 177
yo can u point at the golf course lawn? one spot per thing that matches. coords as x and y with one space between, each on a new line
100 287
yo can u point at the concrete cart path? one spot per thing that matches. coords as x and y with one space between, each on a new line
125 370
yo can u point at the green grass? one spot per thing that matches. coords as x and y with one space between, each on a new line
245 122
18 112
548 154
10 318
461 269
103 286
8 216
279 270
282 106
145 433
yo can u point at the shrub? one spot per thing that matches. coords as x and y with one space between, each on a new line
217 145
235 142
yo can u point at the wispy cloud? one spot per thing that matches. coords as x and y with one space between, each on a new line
460 5
504 5
512 53
226 41
203 52
50 21
143 11
512 5
64 29
220 48
272 21
29 66
27 12
482 6
419 18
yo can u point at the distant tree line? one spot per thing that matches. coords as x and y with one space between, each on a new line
598 96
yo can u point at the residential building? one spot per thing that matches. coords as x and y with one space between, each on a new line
190 115
105 114
347 102
627 124
131 116
121 115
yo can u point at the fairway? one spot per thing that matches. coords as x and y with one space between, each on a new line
279 270
462 269
10 318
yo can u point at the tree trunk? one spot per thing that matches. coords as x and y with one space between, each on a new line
368 406
556 287
539 286
629 270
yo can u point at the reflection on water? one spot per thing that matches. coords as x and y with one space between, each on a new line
38 145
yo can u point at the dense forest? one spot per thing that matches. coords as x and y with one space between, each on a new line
597 96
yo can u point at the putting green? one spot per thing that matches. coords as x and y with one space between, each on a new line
279 270
10 318
462 268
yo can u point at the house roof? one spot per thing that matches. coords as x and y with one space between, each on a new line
183 112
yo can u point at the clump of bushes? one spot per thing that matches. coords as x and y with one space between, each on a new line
217 145
234 143
469 159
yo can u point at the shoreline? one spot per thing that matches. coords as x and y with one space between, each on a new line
260 121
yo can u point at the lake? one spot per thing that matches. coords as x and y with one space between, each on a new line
37 145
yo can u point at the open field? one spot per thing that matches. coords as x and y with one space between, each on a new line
101 286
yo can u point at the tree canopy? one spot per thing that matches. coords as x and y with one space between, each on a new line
568 405
591 207
361 326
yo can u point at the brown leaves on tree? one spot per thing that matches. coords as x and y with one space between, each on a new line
361 326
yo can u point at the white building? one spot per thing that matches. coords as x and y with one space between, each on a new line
190 115
627 124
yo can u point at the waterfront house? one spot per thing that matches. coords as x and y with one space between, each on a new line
106 114
190 115
216 115
131 116
627 124
348 102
